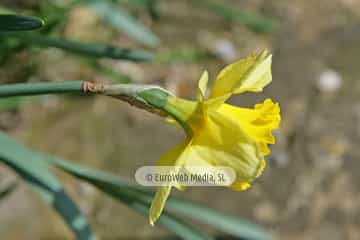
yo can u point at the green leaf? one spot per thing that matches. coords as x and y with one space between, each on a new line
131 195
122 21
225 222
121 189
86 49
172 223
12 22
33 168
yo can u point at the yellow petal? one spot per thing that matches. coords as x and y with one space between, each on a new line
241 186
258 122
173 157
202 85
258 77
250 74
222 142
230 76
245 185
158 203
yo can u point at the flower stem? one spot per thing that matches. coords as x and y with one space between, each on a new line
29 89
130 93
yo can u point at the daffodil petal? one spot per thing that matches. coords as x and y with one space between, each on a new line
230 76
245 185
158 203
250 74
222 142
202 85
258 122
173 157
241 186
258 77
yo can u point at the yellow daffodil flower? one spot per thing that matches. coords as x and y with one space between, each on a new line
219 134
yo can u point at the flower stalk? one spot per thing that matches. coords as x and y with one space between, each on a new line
151 98
32 89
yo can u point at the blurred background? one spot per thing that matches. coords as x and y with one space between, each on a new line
310 189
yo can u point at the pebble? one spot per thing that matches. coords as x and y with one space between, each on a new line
329 81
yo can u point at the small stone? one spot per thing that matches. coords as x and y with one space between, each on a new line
225 50
329 81
281 158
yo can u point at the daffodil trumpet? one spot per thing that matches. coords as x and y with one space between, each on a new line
217 133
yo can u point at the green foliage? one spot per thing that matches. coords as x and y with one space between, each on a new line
12 22
85 49
225 222
122 21
33 168
124 191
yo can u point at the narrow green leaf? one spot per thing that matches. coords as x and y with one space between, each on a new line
133 196
227 223
33 168
178 226
13 22
86 49
122 21
172 223
118 188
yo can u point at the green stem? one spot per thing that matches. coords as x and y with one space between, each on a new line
126 92
151 98
28 89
